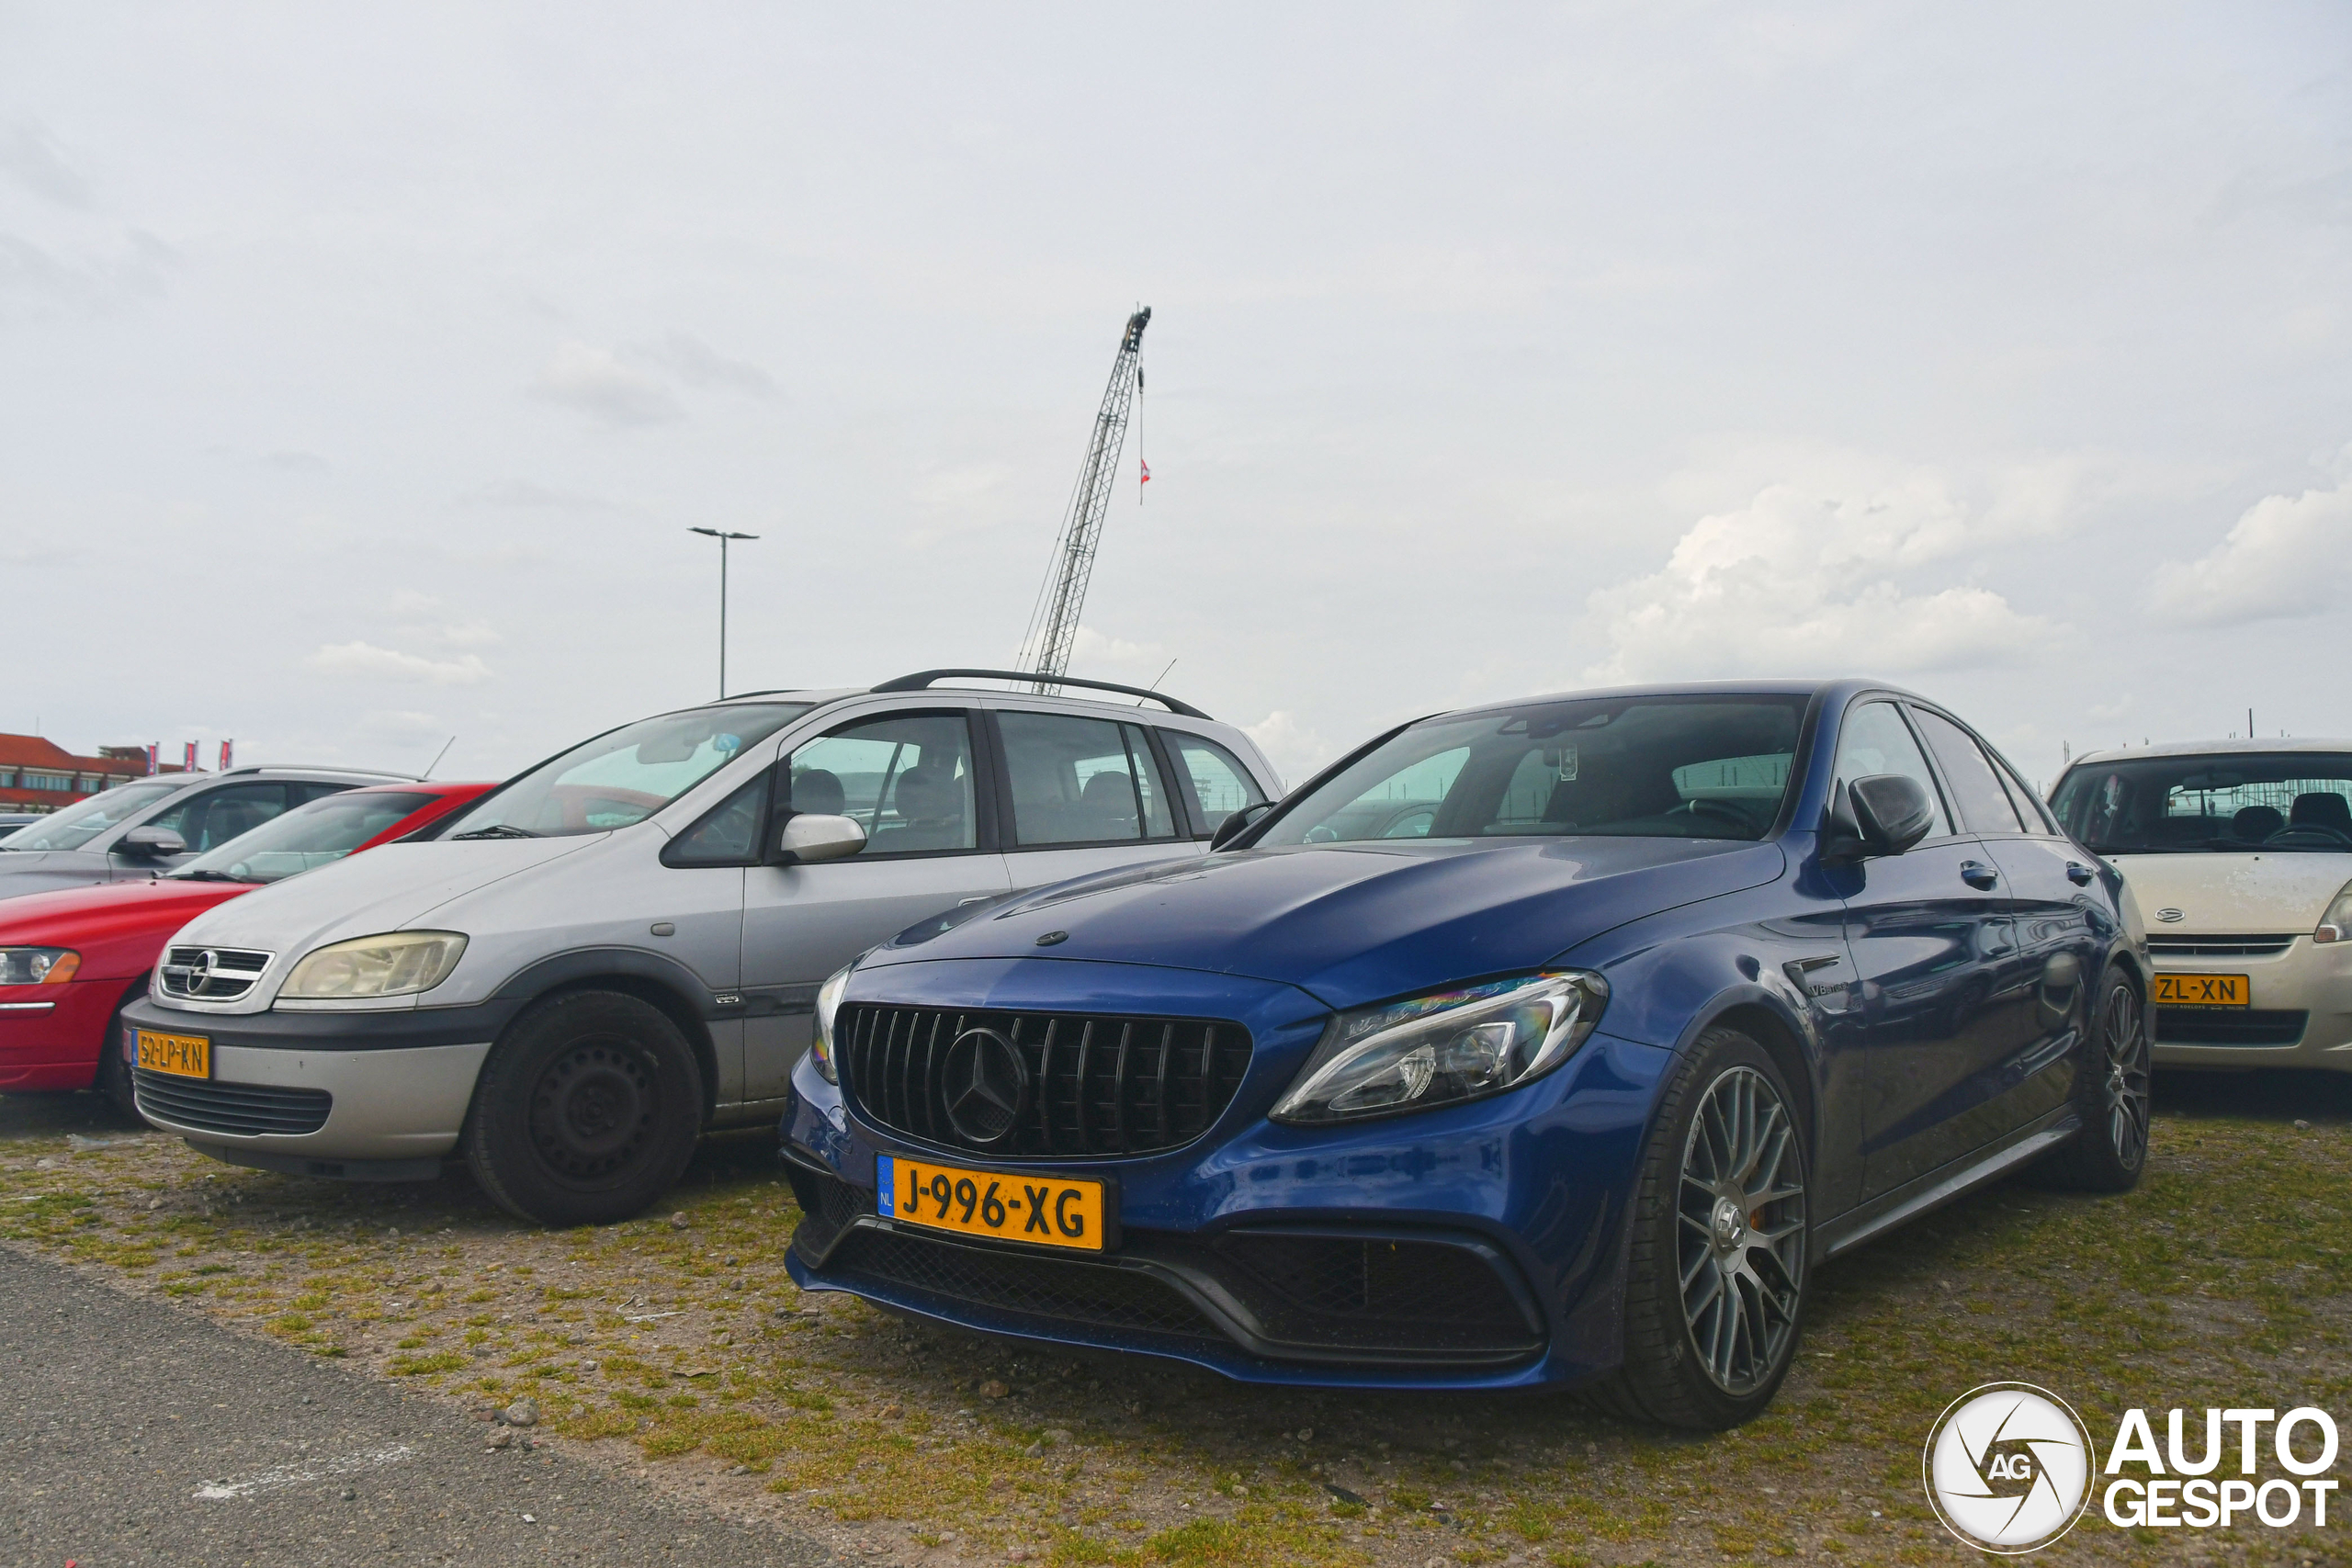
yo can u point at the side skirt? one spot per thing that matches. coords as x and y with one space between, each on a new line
1885 1213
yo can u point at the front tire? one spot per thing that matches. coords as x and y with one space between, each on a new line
1716 1283
2112 1094
112 1078
587 1111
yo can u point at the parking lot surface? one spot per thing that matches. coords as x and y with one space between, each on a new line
131 1432
676 1365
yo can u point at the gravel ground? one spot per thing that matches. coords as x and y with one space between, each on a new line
673 1350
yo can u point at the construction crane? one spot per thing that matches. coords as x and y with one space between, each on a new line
1053 622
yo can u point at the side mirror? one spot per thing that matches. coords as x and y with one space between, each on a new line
809 837
1892 812
1230 828
151 844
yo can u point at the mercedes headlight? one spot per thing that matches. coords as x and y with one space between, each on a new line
397 964
38 965
2336 924
829 1002
1444 1048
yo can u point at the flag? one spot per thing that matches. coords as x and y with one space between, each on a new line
225 745
153 747
191 757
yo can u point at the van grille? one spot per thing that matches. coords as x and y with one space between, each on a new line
211 974
243 1110
1094 1086
2219 947
2230 1026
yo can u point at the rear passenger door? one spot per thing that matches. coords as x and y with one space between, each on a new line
1082 795
1211 785
914 780
2046 880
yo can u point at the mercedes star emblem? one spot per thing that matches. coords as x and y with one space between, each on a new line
987 1088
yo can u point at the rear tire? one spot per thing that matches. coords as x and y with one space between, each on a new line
587 1111
2111 1093
1717 1277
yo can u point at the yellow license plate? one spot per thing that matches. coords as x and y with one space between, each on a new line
182 1055
2204 991
1044 1211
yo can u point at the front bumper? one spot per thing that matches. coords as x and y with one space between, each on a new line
377 1095
1474 1246
2300 1014
51 1035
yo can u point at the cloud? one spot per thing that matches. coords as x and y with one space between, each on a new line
595 382
697 365
296 462
1090 649
1804 580
364 660
524 495
31 156
2286 557
91 285
1296 749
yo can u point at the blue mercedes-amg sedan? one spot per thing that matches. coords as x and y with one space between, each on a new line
1552 1043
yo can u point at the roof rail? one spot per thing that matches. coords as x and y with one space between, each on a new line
922 680
316 768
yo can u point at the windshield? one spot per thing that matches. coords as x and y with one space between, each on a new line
323 831
625 776
1709 767
2215 804
77 825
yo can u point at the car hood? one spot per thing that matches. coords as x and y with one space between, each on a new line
396 887
23 871
1354 923
2244 895
117 928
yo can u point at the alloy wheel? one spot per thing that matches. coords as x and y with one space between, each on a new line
2127 1074
1741 1231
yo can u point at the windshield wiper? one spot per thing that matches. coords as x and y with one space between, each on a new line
497 830
209 876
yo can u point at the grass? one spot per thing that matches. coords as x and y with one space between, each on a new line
2224 1280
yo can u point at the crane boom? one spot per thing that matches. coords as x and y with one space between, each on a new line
1053 625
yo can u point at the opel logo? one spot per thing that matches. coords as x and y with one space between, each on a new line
2170 916
988 1088
199 974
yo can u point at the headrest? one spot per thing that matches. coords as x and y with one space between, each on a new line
2255 823
818 789
2322 809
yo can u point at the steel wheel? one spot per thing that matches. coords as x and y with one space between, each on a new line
1741 1230
591 1108
2127 1074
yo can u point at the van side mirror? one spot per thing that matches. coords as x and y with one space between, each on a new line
1889 813
151 844
809 837
1230 828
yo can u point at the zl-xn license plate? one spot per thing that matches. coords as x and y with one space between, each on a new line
1044 1211
2204 991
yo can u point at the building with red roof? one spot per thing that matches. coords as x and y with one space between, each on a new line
40 776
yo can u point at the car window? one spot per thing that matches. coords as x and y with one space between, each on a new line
905 778
1984 806
2217 803
1876 740
624 775
2029 809
729 834
1645 767
326 829
1081 781
213 817
1218 784
77 825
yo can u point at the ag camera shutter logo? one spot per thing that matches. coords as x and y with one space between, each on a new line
2007 1466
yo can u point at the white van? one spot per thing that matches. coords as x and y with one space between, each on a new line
569 980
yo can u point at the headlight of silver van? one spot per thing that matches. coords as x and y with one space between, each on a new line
396 963
2336 924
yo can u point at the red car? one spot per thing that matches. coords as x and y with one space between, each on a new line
69 959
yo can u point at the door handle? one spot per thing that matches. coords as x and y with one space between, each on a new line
2078 873
1977 874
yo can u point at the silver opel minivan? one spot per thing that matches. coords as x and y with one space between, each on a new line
567 982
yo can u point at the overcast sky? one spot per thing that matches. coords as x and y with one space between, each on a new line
360 374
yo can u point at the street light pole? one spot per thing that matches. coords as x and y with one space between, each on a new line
722 538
